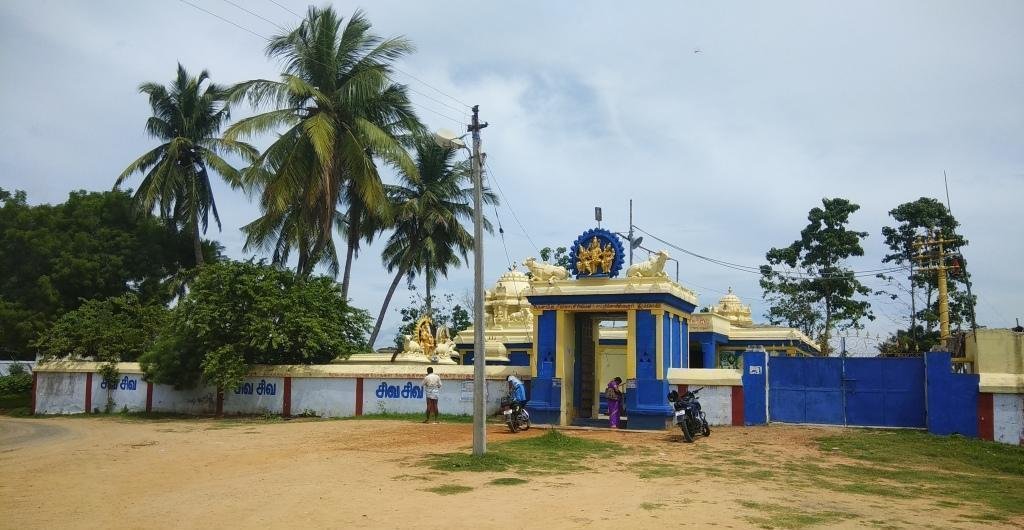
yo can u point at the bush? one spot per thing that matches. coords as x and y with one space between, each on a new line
17 381
238 314
118 329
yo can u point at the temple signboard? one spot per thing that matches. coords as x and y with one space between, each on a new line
700 323
595 307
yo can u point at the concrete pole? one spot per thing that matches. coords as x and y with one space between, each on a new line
943 296
479 355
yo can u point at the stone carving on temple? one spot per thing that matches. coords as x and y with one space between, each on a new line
653 267
545 272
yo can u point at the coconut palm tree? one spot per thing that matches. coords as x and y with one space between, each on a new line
187 116
430 207
337 112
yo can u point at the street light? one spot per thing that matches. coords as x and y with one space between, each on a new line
448 139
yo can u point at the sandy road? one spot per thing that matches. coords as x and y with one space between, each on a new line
111 473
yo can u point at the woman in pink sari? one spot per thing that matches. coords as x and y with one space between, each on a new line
613 395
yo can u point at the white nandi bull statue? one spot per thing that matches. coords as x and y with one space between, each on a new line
652 268
541 271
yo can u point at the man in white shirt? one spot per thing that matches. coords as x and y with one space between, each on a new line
432 391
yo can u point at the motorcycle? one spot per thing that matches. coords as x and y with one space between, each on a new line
516 416
688 414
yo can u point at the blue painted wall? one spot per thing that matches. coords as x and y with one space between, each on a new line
545 401
666 342
646 404
674 354
646 348
519 358
684 344
755 389
952 398
708 340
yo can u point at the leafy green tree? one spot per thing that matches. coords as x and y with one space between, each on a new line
94 246
117 329
337 113
236 315
17 381
918 290
443 312
187 117
109 331
817 294
560 256
430 208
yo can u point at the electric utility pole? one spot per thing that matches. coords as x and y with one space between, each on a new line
479 355
933 258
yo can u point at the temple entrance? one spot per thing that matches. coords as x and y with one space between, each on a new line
599 354
596 327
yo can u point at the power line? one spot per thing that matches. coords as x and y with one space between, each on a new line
509 206
757 270
257 15
285 8
501 232
443 115
438 90
438 101
243 28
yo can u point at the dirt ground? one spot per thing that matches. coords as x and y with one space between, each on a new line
111 473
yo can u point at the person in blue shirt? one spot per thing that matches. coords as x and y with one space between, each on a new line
516 390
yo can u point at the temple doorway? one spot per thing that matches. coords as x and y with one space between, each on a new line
599 355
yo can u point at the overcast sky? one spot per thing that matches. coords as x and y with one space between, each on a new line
724 122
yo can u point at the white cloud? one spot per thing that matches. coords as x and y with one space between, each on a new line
723 151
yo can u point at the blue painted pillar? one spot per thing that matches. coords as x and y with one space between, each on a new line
684 344
707 347
666 343
545 399
755 387
646 405
674 327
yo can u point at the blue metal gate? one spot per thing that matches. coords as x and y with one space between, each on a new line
883 392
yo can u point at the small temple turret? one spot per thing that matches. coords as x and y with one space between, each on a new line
732 308
508 321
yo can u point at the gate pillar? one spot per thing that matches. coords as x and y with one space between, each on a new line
647 388
545 388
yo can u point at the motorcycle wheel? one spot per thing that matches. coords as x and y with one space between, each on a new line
687 435
705 428
524 422
512 425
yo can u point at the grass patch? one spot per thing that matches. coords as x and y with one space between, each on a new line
900 463
551 452
651 506
508 481
449 489
984 516
760 474
649 469
490 461
915 448
780 516
411 477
